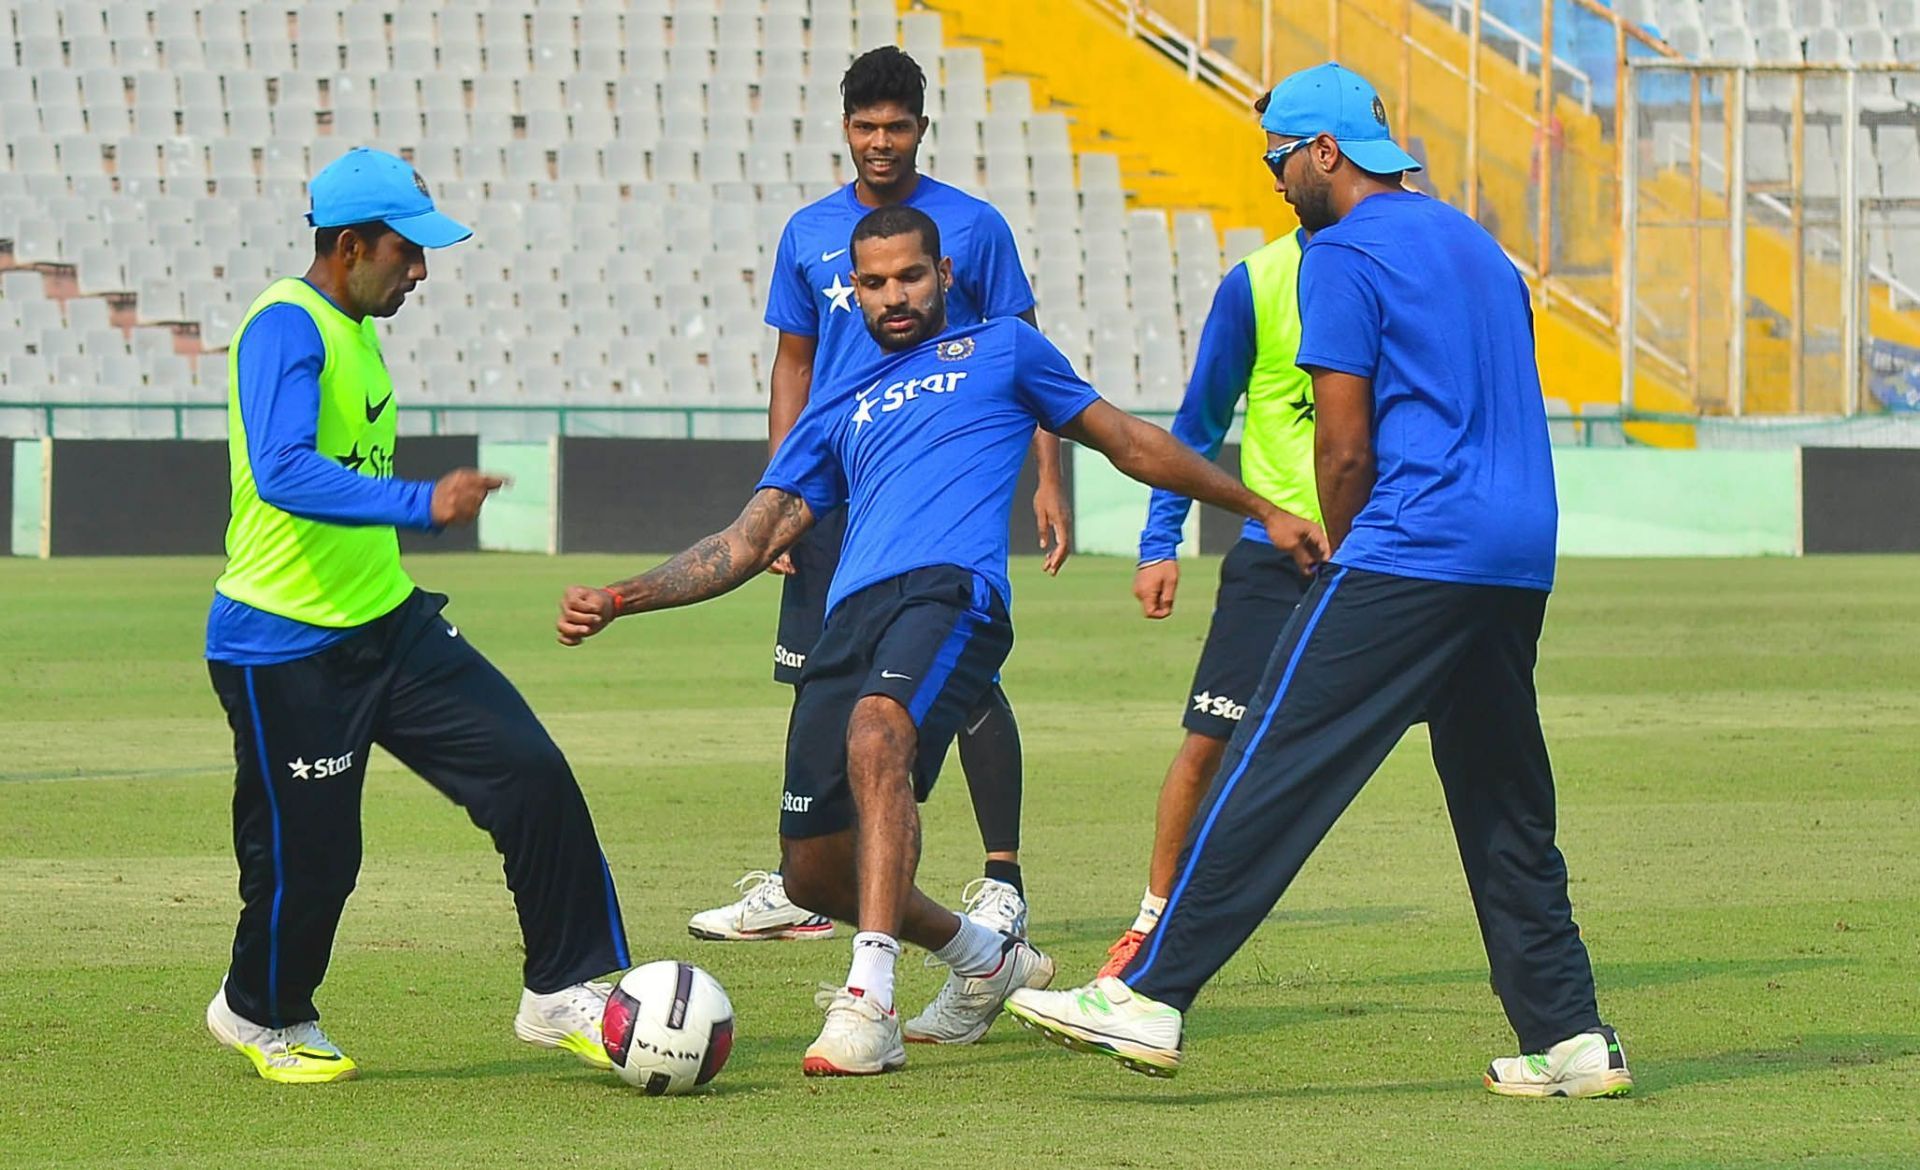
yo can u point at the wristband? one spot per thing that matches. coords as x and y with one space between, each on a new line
617 607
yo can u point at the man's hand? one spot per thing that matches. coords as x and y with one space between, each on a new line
584 612
1303 540
1055 519
1154 586
782 565
458 495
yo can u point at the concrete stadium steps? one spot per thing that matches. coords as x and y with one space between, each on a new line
628 166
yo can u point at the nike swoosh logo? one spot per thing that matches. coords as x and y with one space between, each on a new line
374 412
453 631
829 257
891 674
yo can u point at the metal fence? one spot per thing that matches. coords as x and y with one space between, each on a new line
1511 107
1771 242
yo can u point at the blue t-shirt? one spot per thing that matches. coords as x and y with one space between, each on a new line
279 396
925 451
1229 342
1414 295
810 290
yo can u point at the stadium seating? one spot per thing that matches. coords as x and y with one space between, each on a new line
627 166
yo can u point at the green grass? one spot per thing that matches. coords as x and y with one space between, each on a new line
1736 745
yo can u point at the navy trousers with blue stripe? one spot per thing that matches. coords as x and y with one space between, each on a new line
1366 656
410 683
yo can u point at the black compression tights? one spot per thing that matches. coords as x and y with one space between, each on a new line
990 756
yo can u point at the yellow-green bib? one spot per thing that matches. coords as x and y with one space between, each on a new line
322 574
1276 443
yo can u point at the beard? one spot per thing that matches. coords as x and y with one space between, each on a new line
926 321
1314 209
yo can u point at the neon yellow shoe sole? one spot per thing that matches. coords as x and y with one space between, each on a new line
1614 1082
1148 1062
300 1065
588 1049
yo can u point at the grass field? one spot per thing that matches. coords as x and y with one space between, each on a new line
1736 744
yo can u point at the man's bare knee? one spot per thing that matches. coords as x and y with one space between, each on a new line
818 873
1199 757
881 740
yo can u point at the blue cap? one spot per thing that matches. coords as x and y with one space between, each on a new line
364 185
1332 99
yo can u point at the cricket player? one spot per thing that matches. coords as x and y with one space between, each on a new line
1247 350
924 456
810 303
1436 485
320 646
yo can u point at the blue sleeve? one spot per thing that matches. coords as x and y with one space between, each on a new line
806 466
1044 379
1339 312
279 396
790 303
1228 343
994 274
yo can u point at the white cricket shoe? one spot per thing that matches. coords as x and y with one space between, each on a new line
859 1039
1591 1064
764 912
1105 1016
995 905
567 1019
966 1008
299 1054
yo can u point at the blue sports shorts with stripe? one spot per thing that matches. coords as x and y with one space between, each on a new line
932 639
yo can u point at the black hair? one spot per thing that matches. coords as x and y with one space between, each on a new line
883 75
326 239
897 219
1261 103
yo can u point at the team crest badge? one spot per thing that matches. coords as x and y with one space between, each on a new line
1379 111
957 350
422 183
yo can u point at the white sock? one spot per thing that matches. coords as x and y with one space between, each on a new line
974 951
872 971
1150 910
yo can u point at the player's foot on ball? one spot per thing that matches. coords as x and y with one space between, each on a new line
859 1038
966 1008
1591 1064
1120 954
299 1054
995 905
762 913
1105 1016
567 1019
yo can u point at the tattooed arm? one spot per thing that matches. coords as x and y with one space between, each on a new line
771 522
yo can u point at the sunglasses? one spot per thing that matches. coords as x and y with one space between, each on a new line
1276 159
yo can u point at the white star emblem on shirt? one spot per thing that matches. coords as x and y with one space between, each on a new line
862 415
1203 700
840 294
301 769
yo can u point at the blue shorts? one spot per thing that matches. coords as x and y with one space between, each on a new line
931 639
1259 587
803 595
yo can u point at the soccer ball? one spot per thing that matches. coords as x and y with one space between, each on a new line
668 1028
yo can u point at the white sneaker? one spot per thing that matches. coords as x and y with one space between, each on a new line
1105 1016
568 1019
966 1008
1591 1064
859 1039
299 1054
764 913
996 905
